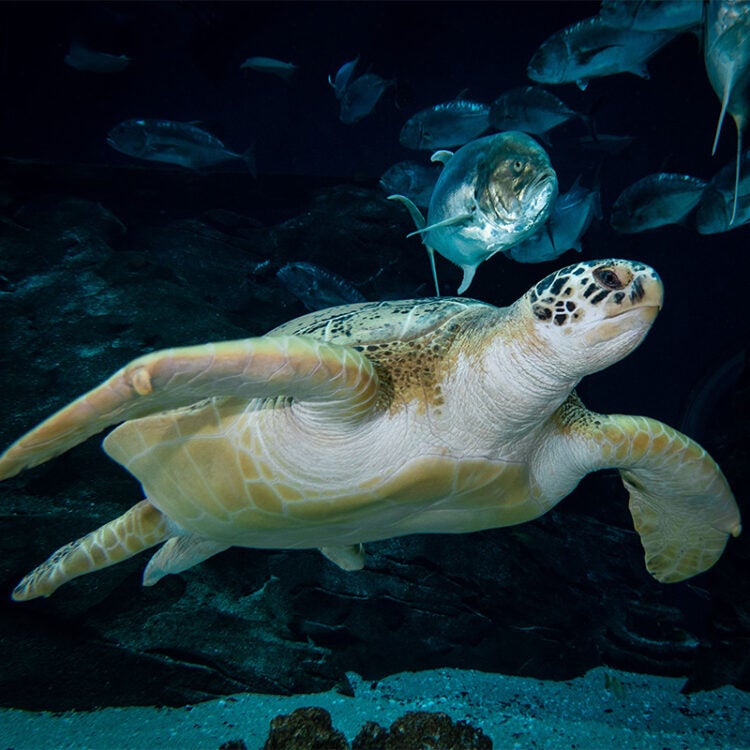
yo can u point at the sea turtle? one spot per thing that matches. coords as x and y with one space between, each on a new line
379 419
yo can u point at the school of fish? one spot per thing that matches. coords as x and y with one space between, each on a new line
496 191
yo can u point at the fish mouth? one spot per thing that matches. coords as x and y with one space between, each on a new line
541 180
540 193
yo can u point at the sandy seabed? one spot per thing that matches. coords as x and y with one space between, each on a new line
605 708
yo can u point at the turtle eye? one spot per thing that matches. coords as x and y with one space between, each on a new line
607 277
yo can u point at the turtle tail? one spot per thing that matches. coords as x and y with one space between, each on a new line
143 526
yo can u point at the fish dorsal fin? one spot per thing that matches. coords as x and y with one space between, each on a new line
443 156
722 114
450 221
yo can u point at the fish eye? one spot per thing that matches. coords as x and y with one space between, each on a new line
607 277
517 166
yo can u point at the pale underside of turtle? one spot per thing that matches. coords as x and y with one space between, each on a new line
376 420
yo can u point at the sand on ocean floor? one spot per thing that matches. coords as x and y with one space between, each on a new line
606 708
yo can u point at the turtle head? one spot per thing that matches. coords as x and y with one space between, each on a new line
594 313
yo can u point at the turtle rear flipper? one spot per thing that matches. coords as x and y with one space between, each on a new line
681 504
141 527
180 553
333 378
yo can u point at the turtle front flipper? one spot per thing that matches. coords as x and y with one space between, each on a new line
681 504
143 526
337 378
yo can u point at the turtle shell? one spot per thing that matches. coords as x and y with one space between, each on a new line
380 322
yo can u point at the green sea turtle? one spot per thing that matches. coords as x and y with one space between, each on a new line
380 419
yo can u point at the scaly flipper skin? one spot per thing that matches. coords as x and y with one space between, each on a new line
338 378
143 526
682 506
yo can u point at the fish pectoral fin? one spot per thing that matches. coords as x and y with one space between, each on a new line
414 212
347 558
431 254
450 221
443 156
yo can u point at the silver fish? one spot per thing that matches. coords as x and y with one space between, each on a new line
727 59
530 109
415 181
592 49
444 125
493 193
571 216
173 143
652 15
361 96
91 61
656 200
316 287
284 70
717 211
343 75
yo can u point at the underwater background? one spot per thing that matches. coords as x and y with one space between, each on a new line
104 257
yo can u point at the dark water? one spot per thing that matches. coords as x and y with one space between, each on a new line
185 67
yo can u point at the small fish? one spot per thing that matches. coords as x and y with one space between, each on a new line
343 75
415 181
592 49
444 125
278 68
493 193
725 203
530 109
361 96
727 58
316 287
571 216
180 143
656 200
652 15
89 60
